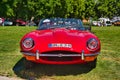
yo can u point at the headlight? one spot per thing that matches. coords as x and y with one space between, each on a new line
28 43
92 44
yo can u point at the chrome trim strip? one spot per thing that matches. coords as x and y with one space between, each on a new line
82 55
28 53
37 54
58 55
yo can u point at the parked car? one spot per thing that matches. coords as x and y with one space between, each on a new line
31 23
116 23
7 22
20 22
96 23
105 21
61 41
1 21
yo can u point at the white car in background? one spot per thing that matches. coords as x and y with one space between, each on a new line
105 21
7 22
96 23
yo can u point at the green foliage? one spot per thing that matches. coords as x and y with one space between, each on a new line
108 8
89 8
25 9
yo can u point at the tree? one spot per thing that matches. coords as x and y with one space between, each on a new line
25 9
106 8
6 8
89 8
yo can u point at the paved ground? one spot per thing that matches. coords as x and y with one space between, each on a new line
7 78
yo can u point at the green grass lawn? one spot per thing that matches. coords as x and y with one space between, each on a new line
108 64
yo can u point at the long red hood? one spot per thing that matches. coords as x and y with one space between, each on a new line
77 39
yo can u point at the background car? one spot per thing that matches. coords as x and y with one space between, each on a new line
7 22
1 21
105 21
61 41
116 23
31 23
96 23
20 22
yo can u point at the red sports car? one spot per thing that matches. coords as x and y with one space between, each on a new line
20 22
60 41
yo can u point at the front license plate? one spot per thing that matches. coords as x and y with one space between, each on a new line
61 45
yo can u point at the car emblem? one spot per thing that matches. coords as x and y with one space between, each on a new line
60 55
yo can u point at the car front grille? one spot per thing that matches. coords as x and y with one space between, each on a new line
59 58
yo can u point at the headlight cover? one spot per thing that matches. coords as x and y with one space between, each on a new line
92 44
28 43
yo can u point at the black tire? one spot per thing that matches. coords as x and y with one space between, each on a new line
92 64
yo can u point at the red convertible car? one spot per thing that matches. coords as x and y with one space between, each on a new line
60 41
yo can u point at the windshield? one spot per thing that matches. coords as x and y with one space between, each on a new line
60 23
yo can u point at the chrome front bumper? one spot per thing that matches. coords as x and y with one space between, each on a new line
38 55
